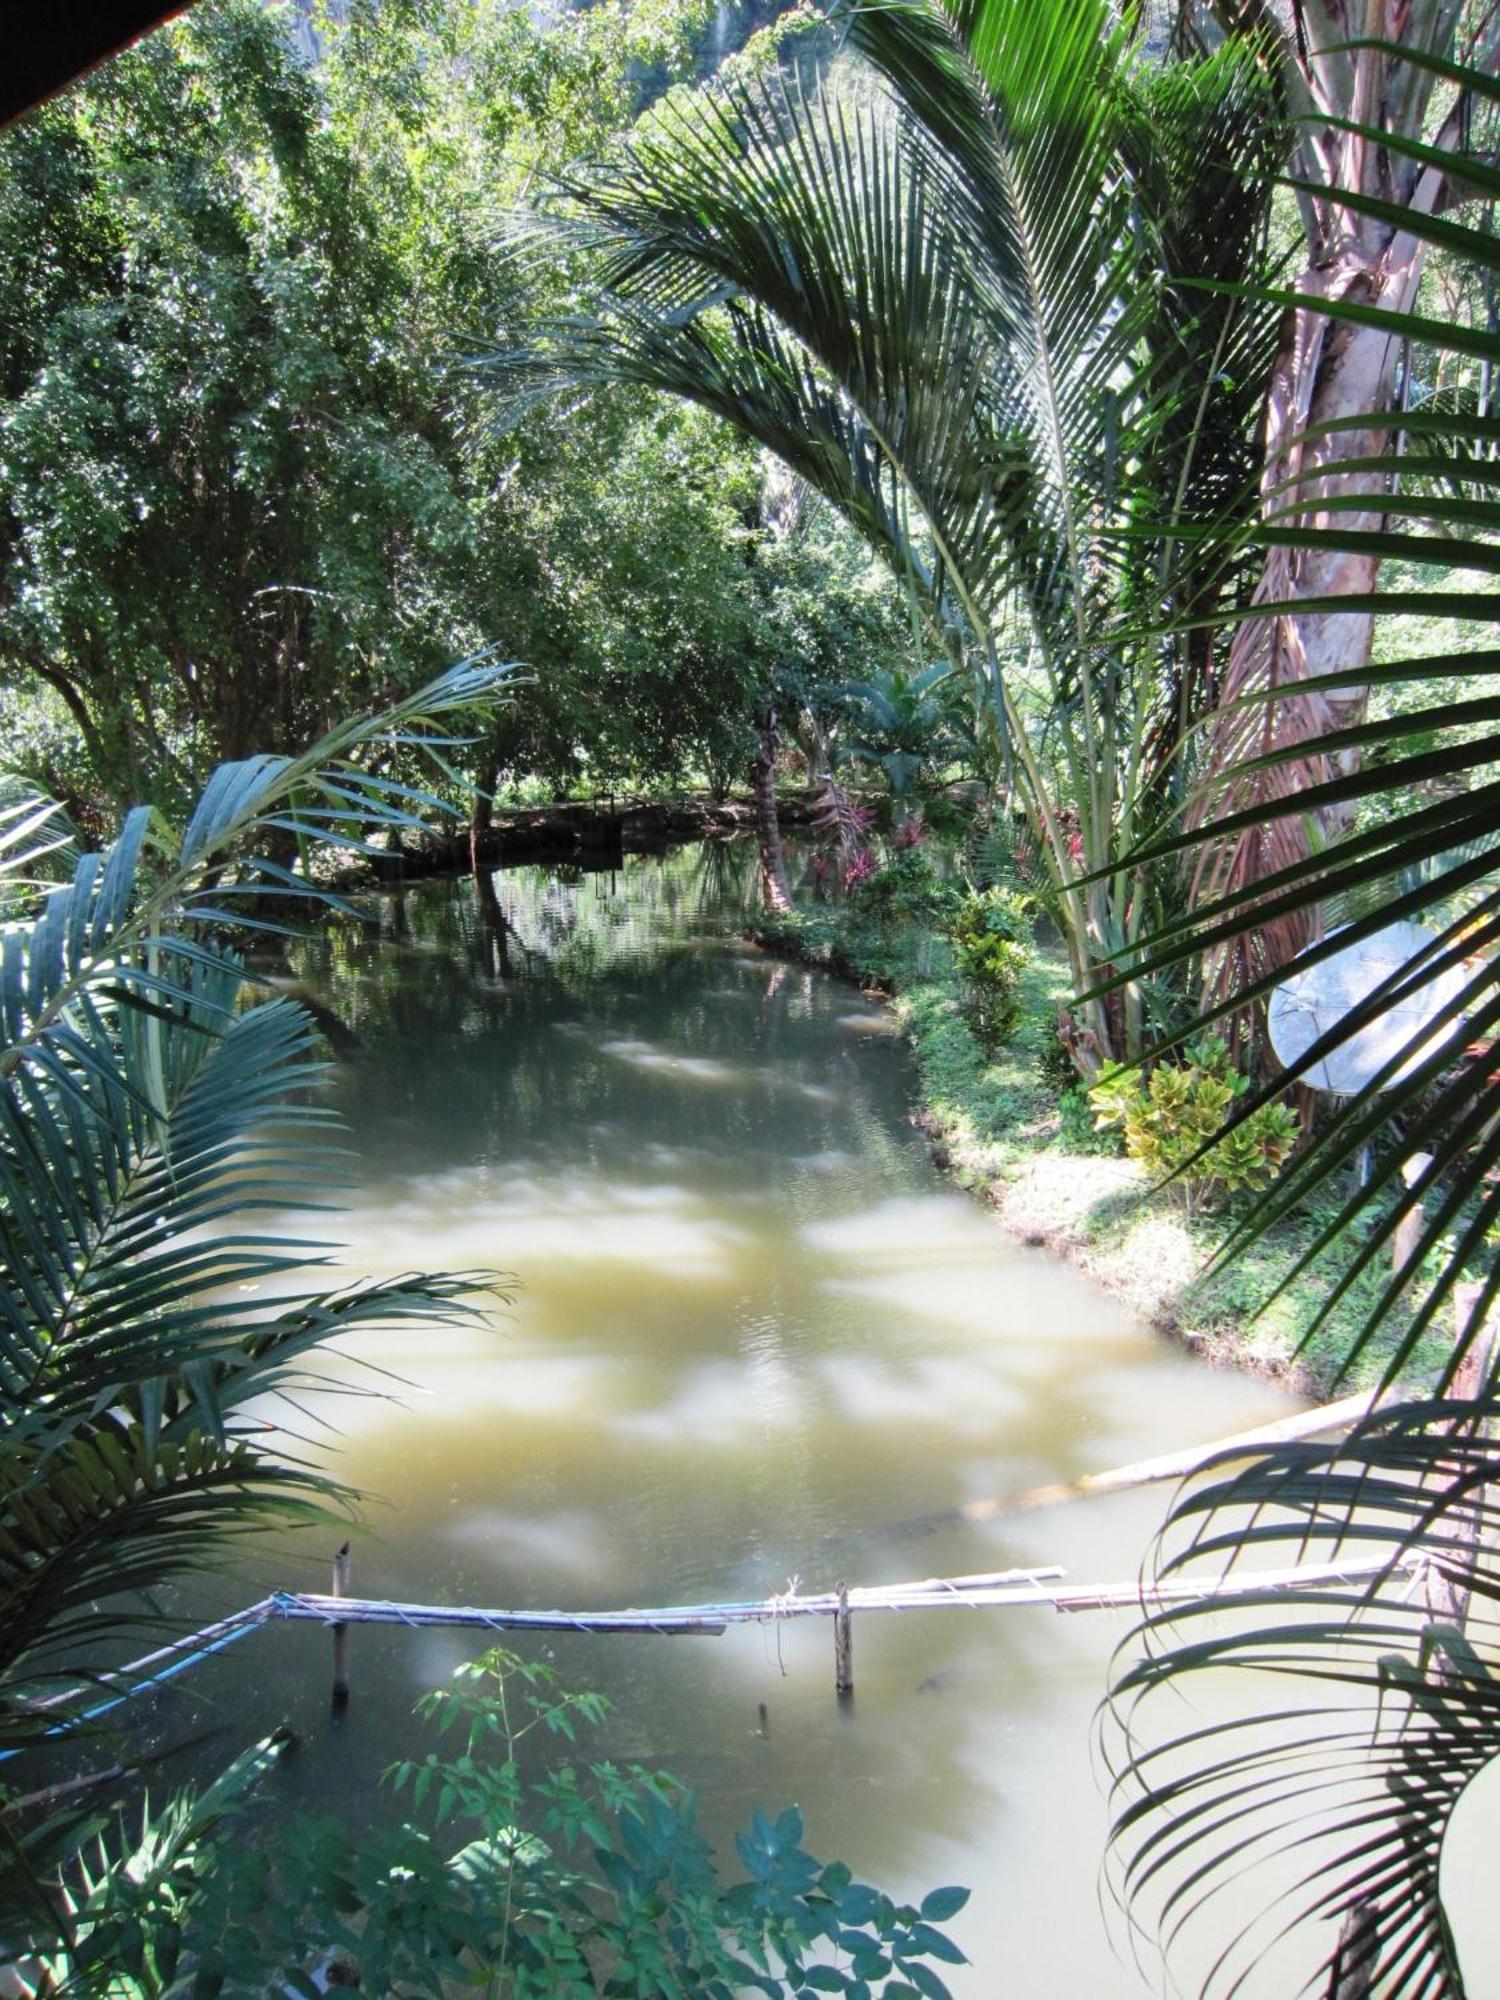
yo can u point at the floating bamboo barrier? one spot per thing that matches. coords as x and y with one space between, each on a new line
1009 1589
992 1590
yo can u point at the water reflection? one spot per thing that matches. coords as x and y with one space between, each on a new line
757 1337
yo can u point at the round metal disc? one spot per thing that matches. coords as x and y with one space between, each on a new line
1312 1001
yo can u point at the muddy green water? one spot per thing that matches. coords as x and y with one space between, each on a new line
756 1332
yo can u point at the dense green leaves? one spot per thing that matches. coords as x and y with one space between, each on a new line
588 1880
240 493
966 305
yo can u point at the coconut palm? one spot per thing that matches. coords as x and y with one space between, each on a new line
958 290
147 1113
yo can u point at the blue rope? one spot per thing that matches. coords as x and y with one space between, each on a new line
143 1686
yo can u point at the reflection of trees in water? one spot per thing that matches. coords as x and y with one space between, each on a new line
564 922
574 992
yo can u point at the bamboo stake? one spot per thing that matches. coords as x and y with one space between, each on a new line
843 1644
341 1630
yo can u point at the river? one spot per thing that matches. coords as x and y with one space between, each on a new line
756 1332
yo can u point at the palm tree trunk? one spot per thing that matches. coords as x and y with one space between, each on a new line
774 892
1327 370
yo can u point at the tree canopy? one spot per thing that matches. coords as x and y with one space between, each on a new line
241 489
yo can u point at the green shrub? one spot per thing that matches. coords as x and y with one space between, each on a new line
1080 1130
586 1879
991 939
1169 1116
905 886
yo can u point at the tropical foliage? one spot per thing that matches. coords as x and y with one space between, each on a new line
1358 1716
906 725
147 1114
961 292
1331 390
1422 845
238 496
991 937
1169 1117
997 286
588 1880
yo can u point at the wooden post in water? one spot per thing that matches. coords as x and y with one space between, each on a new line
341 1630
843 1644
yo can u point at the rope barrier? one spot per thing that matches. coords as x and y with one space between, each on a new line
993 1590
177 1657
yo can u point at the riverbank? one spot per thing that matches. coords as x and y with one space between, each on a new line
1004 1129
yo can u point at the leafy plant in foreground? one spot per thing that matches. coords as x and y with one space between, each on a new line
586 1880
1169 1117
149 1118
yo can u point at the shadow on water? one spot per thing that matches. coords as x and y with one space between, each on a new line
754 1327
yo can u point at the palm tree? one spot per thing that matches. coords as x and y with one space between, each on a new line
959 291
146 1114
1337 1732
902 722
1333 388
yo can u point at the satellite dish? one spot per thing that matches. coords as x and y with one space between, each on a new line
1316 999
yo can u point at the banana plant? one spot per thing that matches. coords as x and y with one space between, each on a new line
958 289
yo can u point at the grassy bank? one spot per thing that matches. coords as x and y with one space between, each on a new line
1003 1129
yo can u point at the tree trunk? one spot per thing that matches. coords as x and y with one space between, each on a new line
774 893
481 824
493 923
1325 370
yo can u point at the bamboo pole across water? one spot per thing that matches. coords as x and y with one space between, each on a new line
996 1591
1170 1465
989 1590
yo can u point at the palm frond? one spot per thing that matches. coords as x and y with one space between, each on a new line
1301 1760
118 1910
98 928
941 301
1417 787
1308 1803
147 1119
